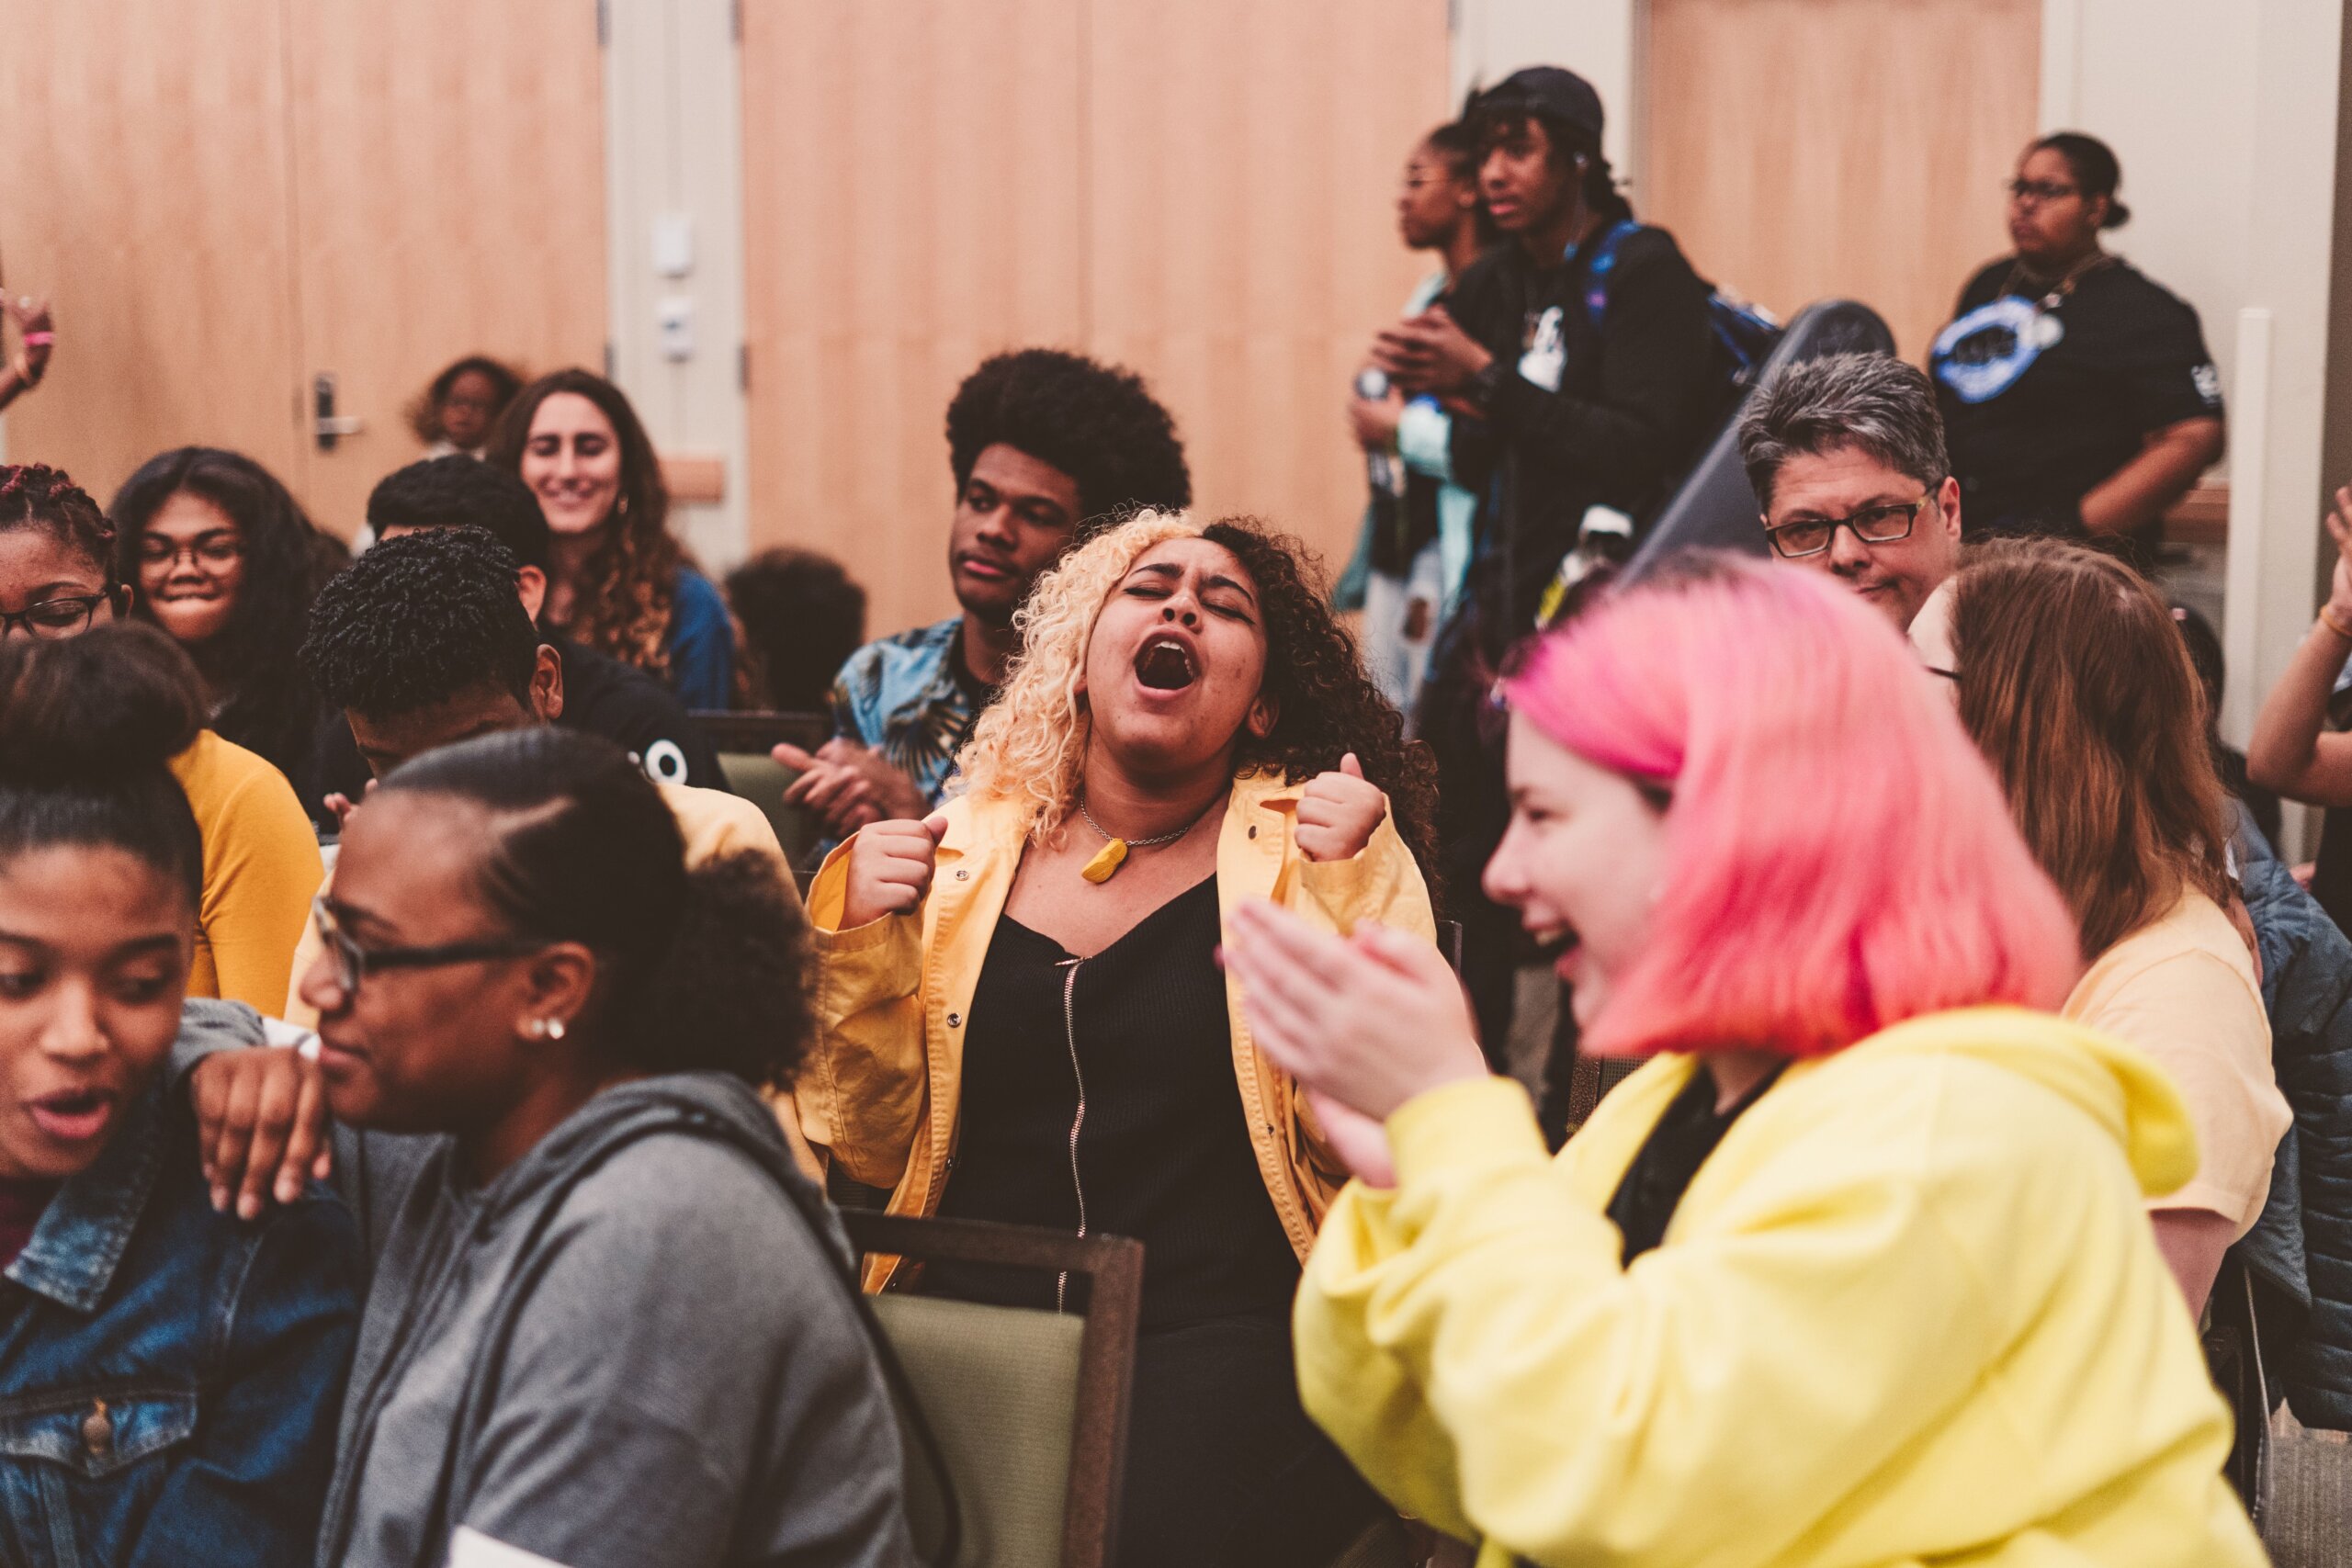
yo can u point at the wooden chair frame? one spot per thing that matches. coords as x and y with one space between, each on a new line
1113 1265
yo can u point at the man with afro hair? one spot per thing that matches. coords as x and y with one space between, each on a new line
1047 448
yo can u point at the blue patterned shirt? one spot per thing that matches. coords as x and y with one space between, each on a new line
899 696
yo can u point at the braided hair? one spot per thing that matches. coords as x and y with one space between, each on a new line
34 495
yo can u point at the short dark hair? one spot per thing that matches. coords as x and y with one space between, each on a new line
2094 167
443 493
1871 402
700 970
1097 423
802 617
419 619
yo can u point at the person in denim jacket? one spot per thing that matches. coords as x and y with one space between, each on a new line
170 1377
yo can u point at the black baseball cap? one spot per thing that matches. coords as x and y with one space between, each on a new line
1546 90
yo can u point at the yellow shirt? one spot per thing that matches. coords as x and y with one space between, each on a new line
2182 989
261 861
1910 1311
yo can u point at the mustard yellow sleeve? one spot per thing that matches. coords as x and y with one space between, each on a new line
1470 1339
261 867
1381 881
860 1093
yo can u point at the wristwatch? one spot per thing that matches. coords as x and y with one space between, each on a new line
1480 390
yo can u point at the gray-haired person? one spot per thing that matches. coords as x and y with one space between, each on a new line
1846 457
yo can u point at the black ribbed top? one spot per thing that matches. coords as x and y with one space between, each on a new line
1162 1151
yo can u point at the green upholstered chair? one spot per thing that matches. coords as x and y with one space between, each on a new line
1029 1407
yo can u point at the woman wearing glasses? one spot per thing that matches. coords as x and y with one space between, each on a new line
261 859
2077 395
611 1323
220 556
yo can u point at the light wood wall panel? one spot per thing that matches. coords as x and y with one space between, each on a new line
450 184
911 204
1202 193
143 187
1243 161
1802 149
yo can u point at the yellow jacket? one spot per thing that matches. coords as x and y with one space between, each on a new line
883 1087
1910 1310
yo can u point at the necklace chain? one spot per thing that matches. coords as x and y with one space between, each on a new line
1155 841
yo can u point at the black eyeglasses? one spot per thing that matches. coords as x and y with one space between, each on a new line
52 620
2040 190
222 546
1873 525
355 962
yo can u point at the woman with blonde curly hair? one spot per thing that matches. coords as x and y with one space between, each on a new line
1022 991
618 580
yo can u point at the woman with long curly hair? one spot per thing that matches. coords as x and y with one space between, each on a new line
221 556
618 580
1021 1011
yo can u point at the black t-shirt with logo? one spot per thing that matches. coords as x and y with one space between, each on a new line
2044 394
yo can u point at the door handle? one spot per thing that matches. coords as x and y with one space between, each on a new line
327 427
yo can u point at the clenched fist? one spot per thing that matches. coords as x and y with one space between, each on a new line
1338 813
889 868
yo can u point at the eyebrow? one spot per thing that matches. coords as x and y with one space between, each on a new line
1214 579
160 940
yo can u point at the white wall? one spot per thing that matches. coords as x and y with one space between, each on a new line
1601 41
2224 114
673 149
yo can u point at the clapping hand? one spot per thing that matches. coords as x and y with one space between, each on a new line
1364 1022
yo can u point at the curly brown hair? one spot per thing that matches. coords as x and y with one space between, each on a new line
629 586
1326 706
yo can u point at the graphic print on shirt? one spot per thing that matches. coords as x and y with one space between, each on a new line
1982 354
1543 349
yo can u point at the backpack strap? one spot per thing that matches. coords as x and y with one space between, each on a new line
1604 262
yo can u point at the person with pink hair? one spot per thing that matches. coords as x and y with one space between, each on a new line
1853 1268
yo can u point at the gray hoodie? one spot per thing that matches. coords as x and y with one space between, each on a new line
629 1349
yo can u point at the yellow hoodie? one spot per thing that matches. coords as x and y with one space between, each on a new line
1910 1311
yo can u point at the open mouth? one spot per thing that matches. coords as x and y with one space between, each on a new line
73 1115
1165 664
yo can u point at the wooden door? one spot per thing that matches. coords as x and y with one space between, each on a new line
144 188
1201 192
227 197
448 164
1802 149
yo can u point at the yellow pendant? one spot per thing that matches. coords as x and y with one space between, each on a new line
1112 856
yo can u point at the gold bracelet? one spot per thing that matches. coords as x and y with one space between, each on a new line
2332 624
